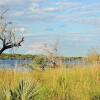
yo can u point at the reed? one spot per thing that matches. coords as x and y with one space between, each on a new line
53 84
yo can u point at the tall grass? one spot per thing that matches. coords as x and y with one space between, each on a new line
53 84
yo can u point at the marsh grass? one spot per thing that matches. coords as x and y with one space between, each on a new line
53 84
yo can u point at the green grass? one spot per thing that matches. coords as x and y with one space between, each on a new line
53 84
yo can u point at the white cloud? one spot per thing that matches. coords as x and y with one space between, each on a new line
53 7
5 2
91 21
43 10
38 0
68 4
21 29
19 13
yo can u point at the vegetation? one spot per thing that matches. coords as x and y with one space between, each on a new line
54 84
93 57
8 34
29 56
59 83
17 56
56 81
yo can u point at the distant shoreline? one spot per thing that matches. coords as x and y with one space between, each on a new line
31 57
17 56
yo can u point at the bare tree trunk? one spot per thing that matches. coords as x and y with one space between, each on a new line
1 51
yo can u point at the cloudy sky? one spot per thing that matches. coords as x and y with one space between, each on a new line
75 24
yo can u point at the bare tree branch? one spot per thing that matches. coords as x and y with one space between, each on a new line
7 36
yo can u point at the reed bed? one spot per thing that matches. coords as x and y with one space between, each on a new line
53 84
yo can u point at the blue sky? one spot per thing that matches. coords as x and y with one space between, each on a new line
74 23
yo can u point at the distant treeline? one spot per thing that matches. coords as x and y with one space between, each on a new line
17 56
31 57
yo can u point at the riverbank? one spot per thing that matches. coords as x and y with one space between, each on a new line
17 56
31 57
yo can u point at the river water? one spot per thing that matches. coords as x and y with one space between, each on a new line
13 63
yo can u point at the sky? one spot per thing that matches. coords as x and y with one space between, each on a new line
74 24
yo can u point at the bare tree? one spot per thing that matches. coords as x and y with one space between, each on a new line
7 34
51 52
50 57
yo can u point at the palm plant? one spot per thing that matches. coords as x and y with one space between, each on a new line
24 91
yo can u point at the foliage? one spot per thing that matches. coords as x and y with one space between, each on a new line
24 91
17 56
39 60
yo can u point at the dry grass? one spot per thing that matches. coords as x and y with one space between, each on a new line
58 84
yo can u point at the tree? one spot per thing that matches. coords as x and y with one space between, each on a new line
7 34
51 52
51 58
